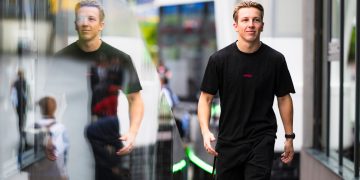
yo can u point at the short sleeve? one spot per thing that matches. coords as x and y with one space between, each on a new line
284 84
131 83
210 82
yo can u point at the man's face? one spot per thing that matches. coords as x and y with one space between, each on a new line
249 24
88 23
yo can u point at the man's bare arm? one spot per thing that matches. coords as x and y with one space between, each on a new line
136 113
204 113
286 112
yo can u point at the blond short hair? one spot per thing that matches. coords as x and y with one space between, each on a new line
91 3
247 4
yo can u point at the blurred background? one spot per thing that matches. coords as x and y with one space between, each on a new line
170 42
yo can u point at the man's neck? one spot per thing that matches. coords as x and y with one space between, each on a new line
248 47
89 46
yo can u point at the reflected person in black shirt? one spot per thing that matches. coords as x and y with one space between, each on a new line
111 70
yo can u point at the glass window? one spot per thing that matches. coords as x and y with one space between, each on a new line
28 73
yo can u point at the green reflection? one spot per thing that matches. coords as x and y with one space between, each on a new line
179 166
197 161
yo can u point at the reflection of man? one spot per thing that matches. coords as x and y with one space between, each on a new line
20 95
112 70
247 74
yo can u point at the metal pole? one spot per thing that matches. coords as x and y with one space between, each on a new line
318 75
341 98
357 91
328 83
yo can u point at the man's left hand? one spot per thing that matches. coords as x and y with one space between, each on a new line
130 140
288 154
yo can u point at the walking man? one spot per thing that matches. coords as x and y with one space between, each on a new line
247 74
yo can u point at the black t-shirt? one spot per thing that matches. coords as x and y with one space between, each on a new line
109 70
247 84
129 82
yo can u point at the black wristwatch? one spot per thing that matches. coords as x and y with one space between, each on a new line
290 136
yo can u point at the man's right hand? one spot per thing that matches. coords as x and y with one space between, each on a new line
208 138
129 138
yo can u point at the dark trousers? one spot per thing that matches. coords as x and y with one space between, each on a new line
21 113
248 161
103 136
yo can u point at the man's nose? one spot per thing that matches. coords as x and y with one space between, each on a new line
251 23
84 22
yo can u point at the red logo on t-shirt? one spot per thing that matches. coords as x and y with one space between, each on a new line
247 75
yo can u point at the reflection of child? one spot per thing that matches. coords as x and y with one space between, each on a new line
52 167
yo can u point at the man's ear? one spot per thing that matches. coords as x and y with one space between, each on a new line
262 28
102 24
235 25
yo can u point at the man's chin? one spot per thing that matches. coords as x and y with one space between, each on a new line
85 37
251 39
